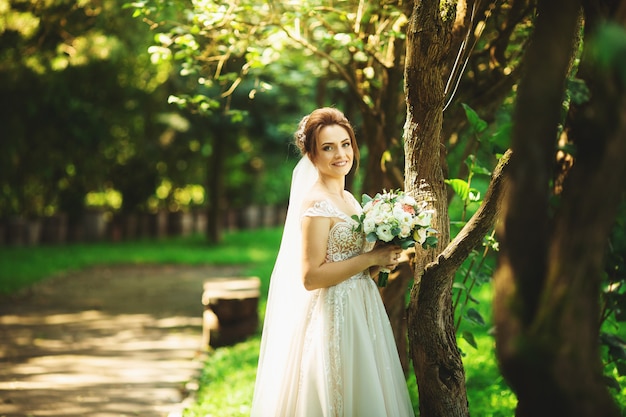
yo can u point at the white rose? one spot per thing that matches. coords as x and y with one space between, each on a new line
405 230
402 216
423 218
379 217
405 222
368 225
383 232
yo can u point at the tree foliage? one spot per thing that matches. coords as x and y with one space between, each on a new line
80 104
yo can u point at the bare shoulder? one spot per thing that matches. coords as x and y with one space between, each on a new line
315 195
350 195
351 200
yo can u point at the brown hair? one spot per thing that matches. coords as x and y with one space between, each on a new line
310 126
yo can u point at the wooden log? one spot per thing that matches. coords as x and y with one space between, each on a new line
231 310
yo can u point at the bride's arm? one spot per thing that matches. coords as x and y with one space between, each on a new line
317 273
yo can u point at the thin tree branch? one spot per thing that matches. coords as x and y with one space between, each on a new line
476 228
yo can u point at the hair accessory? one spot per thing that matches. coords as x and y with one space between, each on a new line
300 135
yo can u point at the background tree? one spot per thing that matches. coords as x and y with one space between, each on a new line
549 276
350 53
80 101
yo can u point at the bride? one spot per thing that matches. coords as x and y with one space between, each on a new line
327 348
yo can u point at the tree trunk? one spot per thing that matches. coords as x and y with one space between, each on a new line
377 143
549 271
216 188
436 359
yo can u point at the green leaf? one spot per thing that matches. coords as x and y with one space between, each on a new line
501 138
409 243
359 227
460 187
478 125
477 168
430 242
474 316
611 382
469 338
371 237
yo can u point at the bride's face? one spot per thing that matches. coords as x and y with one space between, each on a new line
335 153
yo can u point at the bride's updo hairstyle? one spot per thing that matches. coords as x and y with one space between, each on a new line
310 126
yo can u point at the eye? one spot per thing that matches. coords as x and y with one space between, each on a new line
346 144
327 148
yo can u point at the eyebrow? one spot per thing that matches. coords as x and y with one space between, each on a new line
332 143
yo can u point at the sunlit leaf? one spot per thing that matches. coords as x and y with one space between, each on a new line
460 187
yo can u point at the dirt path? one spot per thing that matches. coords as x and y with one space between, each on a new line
105 342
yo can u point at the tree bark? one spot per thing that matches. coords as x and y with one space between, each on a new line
551 257
436 359
216 188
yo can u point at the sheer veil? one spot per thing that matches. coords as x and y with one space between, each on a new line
286 299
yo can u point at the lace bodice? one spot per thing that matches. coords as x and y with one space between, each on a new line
344 241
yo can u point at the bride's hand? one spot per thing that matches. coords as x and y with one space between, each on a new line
387 255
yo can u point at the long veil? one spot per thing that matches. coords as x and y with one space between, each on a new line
281 339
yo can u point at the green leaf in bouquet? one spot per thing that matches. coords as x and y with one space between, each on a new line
371 237
430 242
358 219
365 199
407 243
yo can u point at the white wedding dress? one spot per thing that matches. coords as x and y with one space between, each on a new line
341 359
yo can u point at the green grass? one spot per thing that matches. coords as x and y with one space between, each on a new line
487 392
23 266
227 381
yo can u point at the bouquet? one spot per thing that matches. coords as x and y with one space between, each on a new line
396 218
